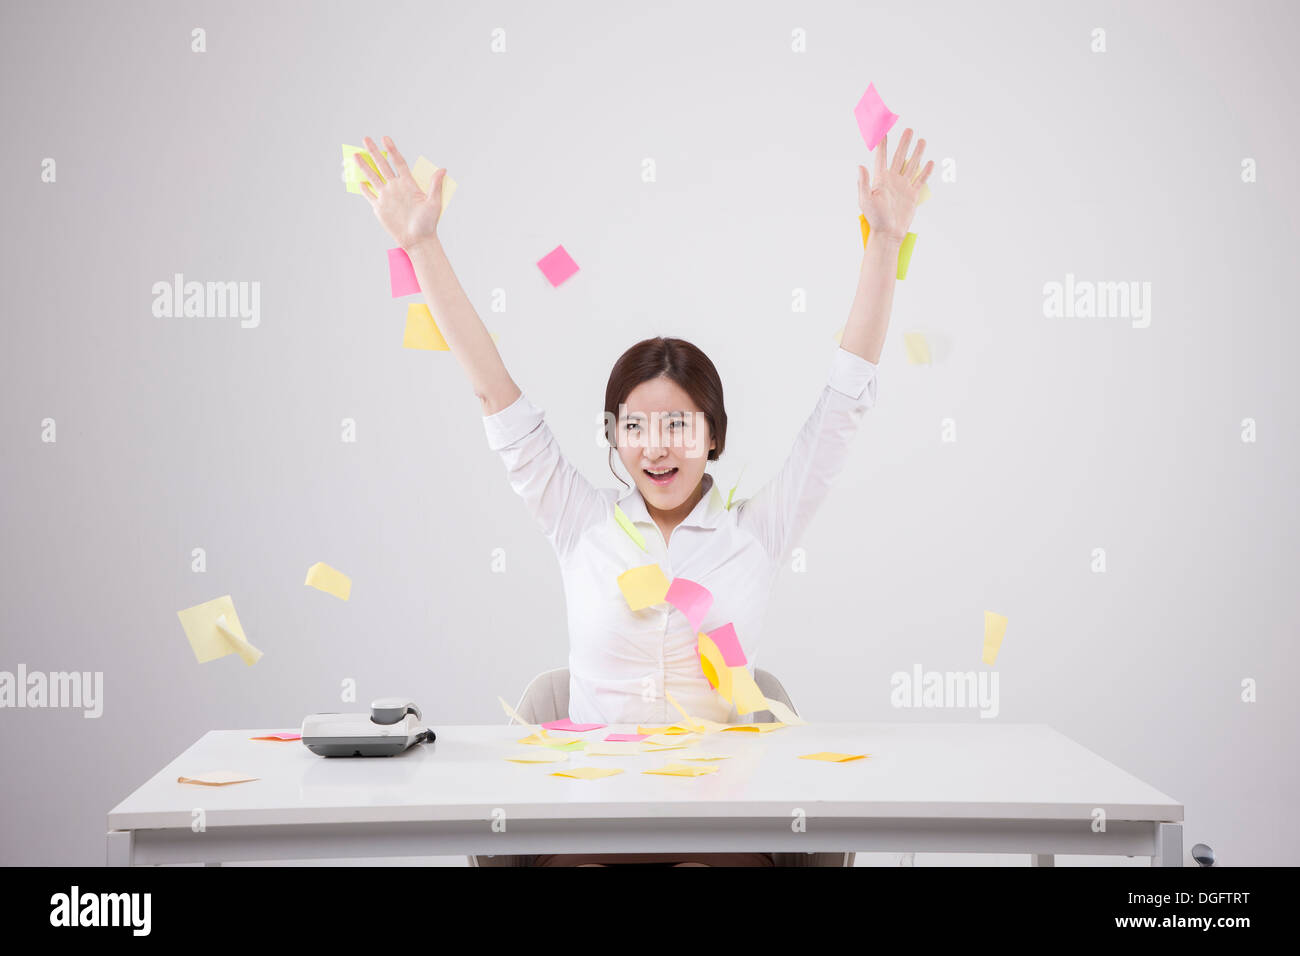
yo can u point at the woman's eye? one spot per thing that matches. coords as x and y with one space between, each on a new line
631 425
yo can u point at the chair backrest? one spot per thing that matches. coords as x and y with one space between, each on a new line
547 696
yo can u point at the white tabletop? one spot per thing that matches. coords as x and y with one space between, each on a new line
931 770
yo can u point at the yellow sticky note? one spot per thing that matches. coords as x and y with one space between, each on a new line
651 730
904 251
757 728
632 530
925 193
538 756
643 586
701 756
745 693
839 336
217 778
207 639
781 712
995 626
682 770
423 172
535 739
655 748
352 174
742 471
421 331
235 635
688 720
614 748
587 773
539 731
330 580
670 740
832 757
918 349
714 666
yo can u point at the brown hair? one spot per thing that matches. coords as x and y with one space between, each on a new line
680 362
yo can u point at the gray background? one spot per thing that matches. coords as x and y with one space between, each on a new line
176 433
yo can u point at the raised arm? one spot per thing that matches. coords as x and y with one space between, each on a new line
889 205
411 219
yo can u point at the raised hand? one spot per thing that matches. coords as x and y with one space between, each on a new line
890 202
407 214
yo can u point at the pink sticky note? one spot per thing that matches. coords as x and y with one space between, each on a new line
728 644
401 274
557 265
627 737
874 118
693 600
278 737
567 724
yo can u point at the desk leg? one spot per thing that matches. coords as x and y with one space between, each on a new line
1169 845
121 848
1042 859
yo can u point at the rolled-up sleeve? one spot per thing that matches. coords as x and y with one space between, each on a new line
560 499
782 509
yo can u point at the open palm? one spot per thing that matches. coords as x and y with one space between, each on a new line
889 198
402 208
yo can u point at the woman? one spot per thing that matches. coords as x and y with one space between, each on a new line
664 416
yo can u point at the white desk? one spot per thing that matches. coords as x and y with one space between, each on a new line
972 787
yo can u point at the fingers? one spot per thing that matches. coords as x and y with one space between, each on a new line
435 187
913 165
367 171
900 157
881 149
399 163
864 179
365 189
381 162
925 174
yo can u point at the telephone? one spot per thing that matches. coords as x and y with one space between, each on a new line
392 726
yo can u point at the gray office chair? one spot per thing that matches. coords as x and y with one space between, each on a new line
547 699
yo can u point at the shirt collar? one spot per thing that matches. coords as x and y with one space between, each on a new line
707 513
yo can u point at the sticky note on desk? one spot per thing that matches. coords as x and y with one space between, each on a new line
209 640
626 738
567 746
704 756
693 600
557 265
278 737
918 349
874 118
682 770
423 172
831 757
217 778
600 748
401 273
330 580
567 724
538 756
643 586
587 773
995 627
757 728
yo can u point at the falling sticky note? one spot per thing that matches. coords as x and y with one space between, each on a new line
874 118
209 640
725 638
587 773
570 745
235 635
421 331
715 668
423 172
538 756
781 712
904 250
757 728
745 693
567 724
682 770
643 586
918 349
278 737
693 600
557 265
352 173
401 273
330 580
832 757
626 738
925 194
513 714
734 487
632 530
217 778
905 254
995 626
687 718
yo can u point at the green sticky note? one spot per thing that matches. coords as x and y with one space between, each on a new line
905 254
626 524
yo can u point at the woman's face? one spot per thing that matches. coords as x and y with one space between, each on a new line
660 429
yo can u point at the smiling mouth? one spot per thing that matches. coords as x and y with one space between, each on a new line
662 479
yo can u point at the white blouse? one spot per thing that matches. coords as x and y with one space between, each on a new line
621 661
